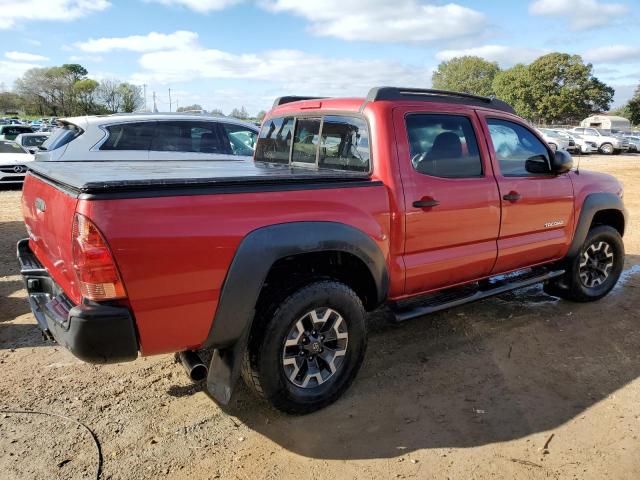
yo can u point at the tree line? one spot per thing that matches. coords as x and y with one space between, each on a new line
66 90
556 88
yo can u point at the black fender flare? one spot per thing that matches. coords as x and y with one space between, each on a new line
256 254
593 203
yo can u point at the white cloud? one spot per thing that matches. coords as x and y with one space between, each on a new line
504 55
580 14
25 57
291 70
384 21
140 43
613 54
201 6
15 12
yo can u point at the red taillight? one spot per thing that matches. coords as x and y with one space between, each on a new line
96 271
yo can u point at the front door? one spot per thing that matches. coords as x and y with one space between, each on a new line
537 209
452 206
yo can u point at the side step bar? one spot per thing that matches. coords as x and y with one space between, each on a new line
454 297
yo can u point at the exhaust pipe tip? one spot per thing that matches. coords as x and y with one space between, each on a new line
196 370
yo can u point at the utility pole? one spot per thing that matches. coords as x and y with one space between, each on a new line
144 87
155 107
169 100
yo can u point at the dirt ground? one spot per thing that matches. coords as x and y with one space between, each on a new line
518 386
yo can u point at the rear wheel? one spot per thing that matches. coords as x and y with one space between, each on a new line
309 350
606 148
595 270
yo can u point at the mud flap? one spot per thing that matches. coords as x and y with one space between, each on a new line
224 370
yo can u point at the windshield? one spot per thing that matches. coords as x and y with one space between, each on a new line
34 140
10 147
61 136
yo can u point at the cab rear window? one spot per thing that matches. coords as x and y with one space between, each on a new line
336 142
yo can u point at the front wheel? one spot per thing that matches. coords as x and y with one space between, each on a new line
595 270
606 148
306 354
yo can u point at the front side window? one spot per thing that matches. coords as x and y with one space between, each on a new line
515 145
344 144
274 142
443 146
241 138
305 140
129 136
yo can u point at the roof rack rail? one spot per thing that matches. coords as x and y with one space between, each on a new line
430 95
292 98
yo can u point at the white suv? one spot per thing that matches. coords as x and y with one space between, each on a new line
149 137
607 142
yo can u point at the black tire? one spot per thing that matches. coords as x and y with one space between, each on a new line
572 287
264 368
606 148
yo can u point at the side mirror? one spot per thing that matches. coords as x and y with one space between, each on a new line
33 150
561 162
537 164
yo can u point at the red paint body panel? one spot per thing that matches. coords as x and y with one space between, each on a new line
173 252
50 231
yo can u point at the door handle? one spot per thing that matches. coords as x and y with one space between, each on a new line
512 196
426 203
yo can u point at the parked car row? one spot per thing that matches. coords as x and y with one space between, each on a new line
585 140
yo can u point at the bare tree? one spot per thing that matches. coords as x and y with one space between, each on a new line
109 95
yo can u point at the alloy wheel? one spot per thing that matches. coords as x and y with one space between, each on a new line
315 348
596 264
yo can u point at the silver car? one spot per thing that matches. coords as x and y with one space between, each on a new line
153 137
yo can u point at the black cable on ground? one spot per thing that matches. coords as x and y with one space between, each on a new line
64 417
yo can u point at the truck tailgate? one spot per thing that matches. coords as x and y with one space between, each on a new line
48 214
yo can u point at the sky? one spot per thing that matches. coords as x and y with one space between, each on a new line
231 53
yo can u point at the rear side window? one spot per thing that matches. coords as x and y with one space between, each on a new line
196 137
129 136
344 144
61 136
443 146
274 142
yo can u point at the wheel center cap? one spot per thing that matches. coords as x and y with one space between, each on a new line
314 345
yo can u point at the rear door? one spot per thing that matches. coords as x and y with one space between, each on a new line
537 209
452 207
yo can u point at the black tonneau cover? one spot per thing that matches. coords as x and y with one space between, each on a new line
96 178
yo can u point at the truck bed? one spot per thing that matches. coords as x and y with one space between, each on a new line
98 178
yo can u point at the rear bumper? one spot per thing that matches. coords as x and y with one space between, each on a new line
93 332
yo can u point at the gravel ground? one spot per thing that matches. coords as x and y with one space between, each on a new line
517 386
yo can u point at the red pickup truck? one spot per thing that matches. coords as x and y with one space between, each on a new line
419 200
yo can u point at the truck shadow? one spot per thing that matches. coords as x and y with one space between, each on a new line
489 372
